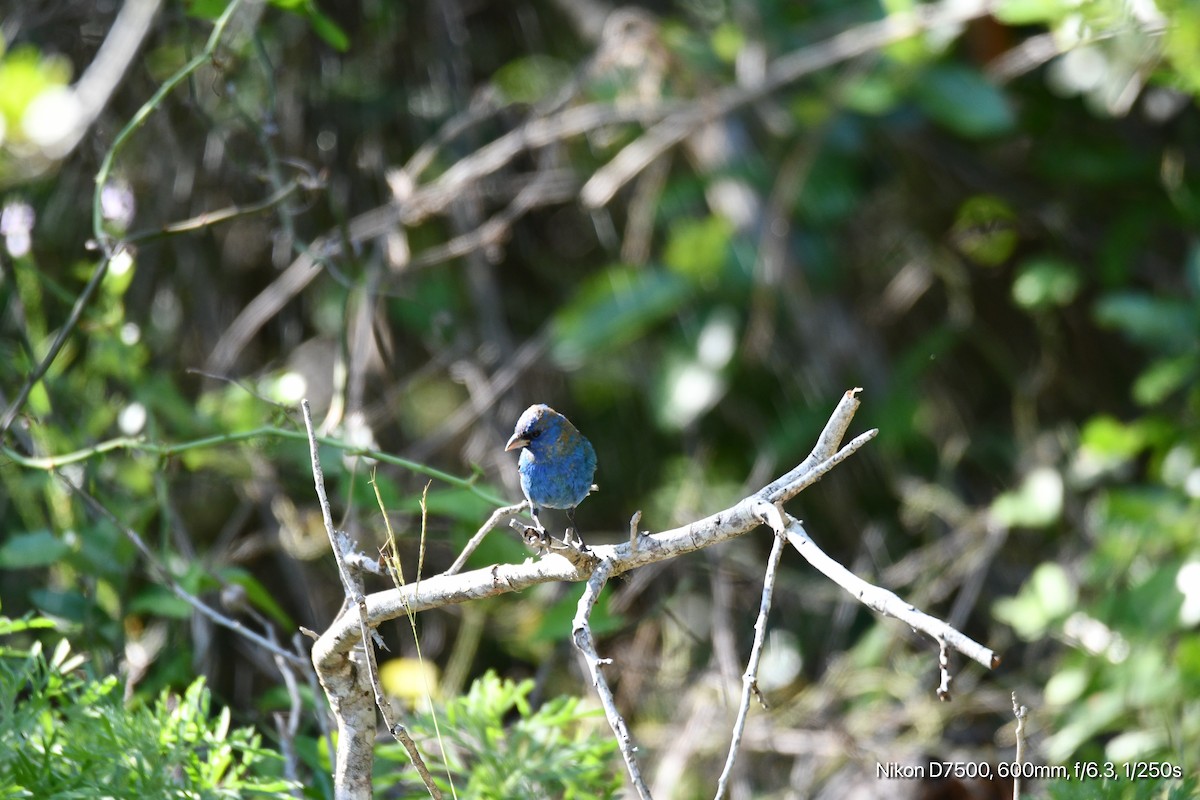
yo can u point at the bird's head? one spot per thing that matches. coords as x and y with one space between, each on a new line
538 426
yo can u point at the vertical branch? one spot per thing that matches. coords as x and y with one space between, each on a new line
349 694
750 677
1020 712
582 634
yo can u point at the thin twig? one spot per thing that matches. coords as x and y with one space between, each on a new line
108 249
674 128
288 725
164 575
169 450
546 189
943 690
85 297
582 634
750 677
1020 712
883 601
498 516
211 218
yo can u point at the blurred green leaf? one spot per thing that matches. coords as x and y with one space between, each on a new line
831 189
1067 685
1181 43
456 504
24 75
159 601
964 101
1164 377
727 41
1108 436
1161 322
260 597
1045 281
70 605
531 78
698 248
327 29
872 93
615 308
32 549
1046 598
1036 504
1027 12
559 616
1187 656
984 230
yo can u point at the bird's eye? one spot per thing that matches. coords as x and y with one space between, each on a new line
534 434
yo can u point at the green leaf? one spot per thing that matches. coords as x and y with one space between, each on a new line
1028 12
985 230
727 41
1165 322
1187 656
11 626
1036 504
831 190
206 9
698 248
1045 281
964 101
873 94
1108 436
1163 378
159 601
258 594
530 79
1048 596
614 309
328 30
558 617
33 549
457 504
68 605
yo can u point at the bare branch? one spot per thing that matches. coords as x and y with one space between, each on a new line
643 151
357 731
750 677
582 634
498 516
885 602
727 524
596 565
1020 712
943 690
164 575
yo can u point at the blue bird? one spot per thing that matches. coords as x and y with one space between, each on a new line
557 462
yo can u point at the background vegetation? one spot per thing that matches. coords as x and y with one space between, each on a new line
991 226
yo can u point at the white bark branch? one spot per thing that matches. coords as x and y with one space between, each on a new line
582 635
332 653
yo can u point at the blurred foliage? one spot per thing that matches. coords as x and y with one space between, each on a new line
1158 789
65 735
991 226
498 747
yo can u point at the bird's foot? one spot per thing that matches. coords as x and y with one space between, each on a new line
536 538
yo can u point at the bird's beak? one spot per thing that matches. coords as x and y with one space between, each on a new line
515 442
